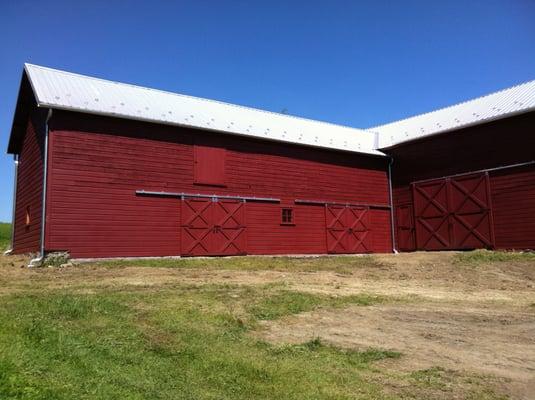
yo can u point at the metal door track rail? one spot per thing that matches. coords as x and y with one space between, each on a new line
479 171
325 202
206 196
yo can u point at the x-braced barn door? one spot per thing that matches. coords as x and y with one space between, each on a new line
453 213
431 215
213 227
471 212
348 229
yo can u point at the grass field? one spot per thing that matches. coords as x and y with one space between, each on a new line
5 236
207 329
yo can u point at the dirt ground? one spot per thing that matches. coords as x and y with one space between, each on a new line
478 319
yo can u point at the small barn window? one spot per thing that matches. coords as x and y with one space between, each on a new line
287 216
209 165
27 218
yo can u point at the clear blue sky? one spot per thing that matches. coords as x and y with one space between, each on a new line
357 63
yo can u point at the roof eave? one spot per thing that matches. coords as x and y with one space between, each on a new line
22 103
457 128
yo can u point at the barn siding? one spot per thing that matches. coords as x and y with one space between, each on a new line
485 146
97 163
513 203
30 186
503 142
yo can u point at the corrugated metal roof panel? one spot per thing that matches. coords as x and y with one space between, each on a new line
65 90
505 103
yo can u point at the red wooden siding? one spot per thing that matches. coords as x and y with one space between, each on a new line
511 191
503 142
30 187
96 165
513 202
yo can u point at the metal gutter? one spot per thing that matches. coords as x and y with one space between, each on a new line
391 198
207 196
324 202
39 259
479 171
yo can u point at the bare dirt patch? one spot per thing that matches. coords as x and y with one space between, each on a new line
432 276
477 339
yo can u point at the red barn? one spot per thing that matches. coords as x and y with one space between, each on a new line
108 169
105 169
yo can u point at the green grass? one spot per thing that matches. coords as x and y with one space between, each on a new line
286 302
184 343
486 256
5 235
189 341
342 264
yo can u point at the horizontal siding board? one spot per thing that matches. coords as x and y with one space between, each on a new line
513 197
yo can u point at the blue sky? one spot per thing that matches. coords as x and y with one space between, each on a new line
357 63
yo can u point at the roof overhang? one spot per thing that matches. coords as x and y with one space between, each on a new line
25 103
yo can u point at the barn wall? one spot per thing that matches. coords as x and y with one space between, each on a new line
513 204
30 186
96 164
502 142
498 143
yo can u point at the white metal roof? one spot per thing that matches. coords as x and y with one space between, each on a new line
502 104
68 91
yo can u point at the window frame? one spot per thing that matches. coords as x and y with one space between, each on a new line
291 220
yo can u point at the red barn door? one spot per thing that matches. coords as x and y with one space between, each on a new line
348 229
453 213
196 215
405 227
228 218
212 227
471 212
431 215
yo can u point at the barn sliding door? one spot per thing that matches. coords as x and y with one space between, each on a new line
212 227
348 229
453 213
471 212
431 215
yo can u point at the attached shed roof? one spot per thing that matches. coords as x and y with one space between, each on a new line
505 103
67 91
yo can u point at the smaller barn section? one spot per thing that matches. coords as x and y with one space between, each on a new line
119 170
464 176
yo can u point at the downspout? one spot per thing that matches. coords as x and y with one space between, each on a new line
392 229
15 174
37 261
